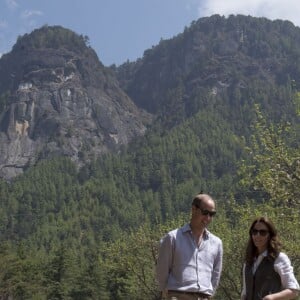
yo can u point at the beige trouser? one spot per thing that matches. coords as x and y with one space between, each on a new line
172 295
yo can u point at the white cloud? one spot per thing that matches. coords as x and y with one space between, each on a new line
31 13
11 4
271 9
29 20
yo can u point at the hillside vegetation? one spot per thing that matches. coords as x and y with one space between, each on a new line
223 124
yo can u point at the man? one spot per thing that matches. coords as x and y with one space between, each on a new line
190 258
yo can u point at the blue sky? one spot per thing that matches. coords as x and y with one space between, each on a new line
121 30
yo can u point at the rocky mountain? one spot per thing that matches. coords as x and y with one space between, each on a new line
225 63
56 98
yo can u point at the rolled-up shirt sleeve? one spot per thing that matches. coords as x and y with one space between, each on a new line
285 270
164 261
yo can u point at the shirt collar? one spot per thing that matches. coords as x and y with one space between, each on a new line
187 228
264 254
261 256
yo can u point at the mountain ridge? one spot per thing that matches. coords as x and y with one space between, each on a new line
217 53
57 98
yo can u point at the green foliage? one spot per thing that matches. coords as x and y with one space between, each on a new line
275 166
297 102
65 238
52 37
20 274
131 260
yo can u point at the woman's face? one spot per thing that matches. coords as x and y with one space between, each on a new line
260 236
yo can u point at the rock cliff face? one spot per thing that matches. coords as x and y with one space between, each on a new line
60 102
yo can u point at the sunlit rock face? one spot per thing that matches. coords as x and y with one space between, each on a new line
60 102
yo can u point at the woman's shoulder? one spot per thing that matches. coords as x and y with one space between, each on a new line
282 255
282 258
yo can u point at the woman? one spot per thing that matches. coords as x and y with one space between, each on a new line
267 272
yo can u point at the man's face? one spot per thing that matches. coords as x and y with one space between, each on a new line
204 212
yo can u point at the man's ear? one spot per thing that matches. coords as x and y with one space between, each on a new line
194 208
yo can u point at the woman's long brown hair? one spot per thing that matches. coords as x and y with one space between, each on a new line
274 244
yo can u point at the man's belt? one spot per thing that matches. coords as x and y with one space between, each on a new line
198 294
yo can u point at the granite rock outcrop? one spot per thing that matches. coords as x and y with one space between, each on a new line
60 100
